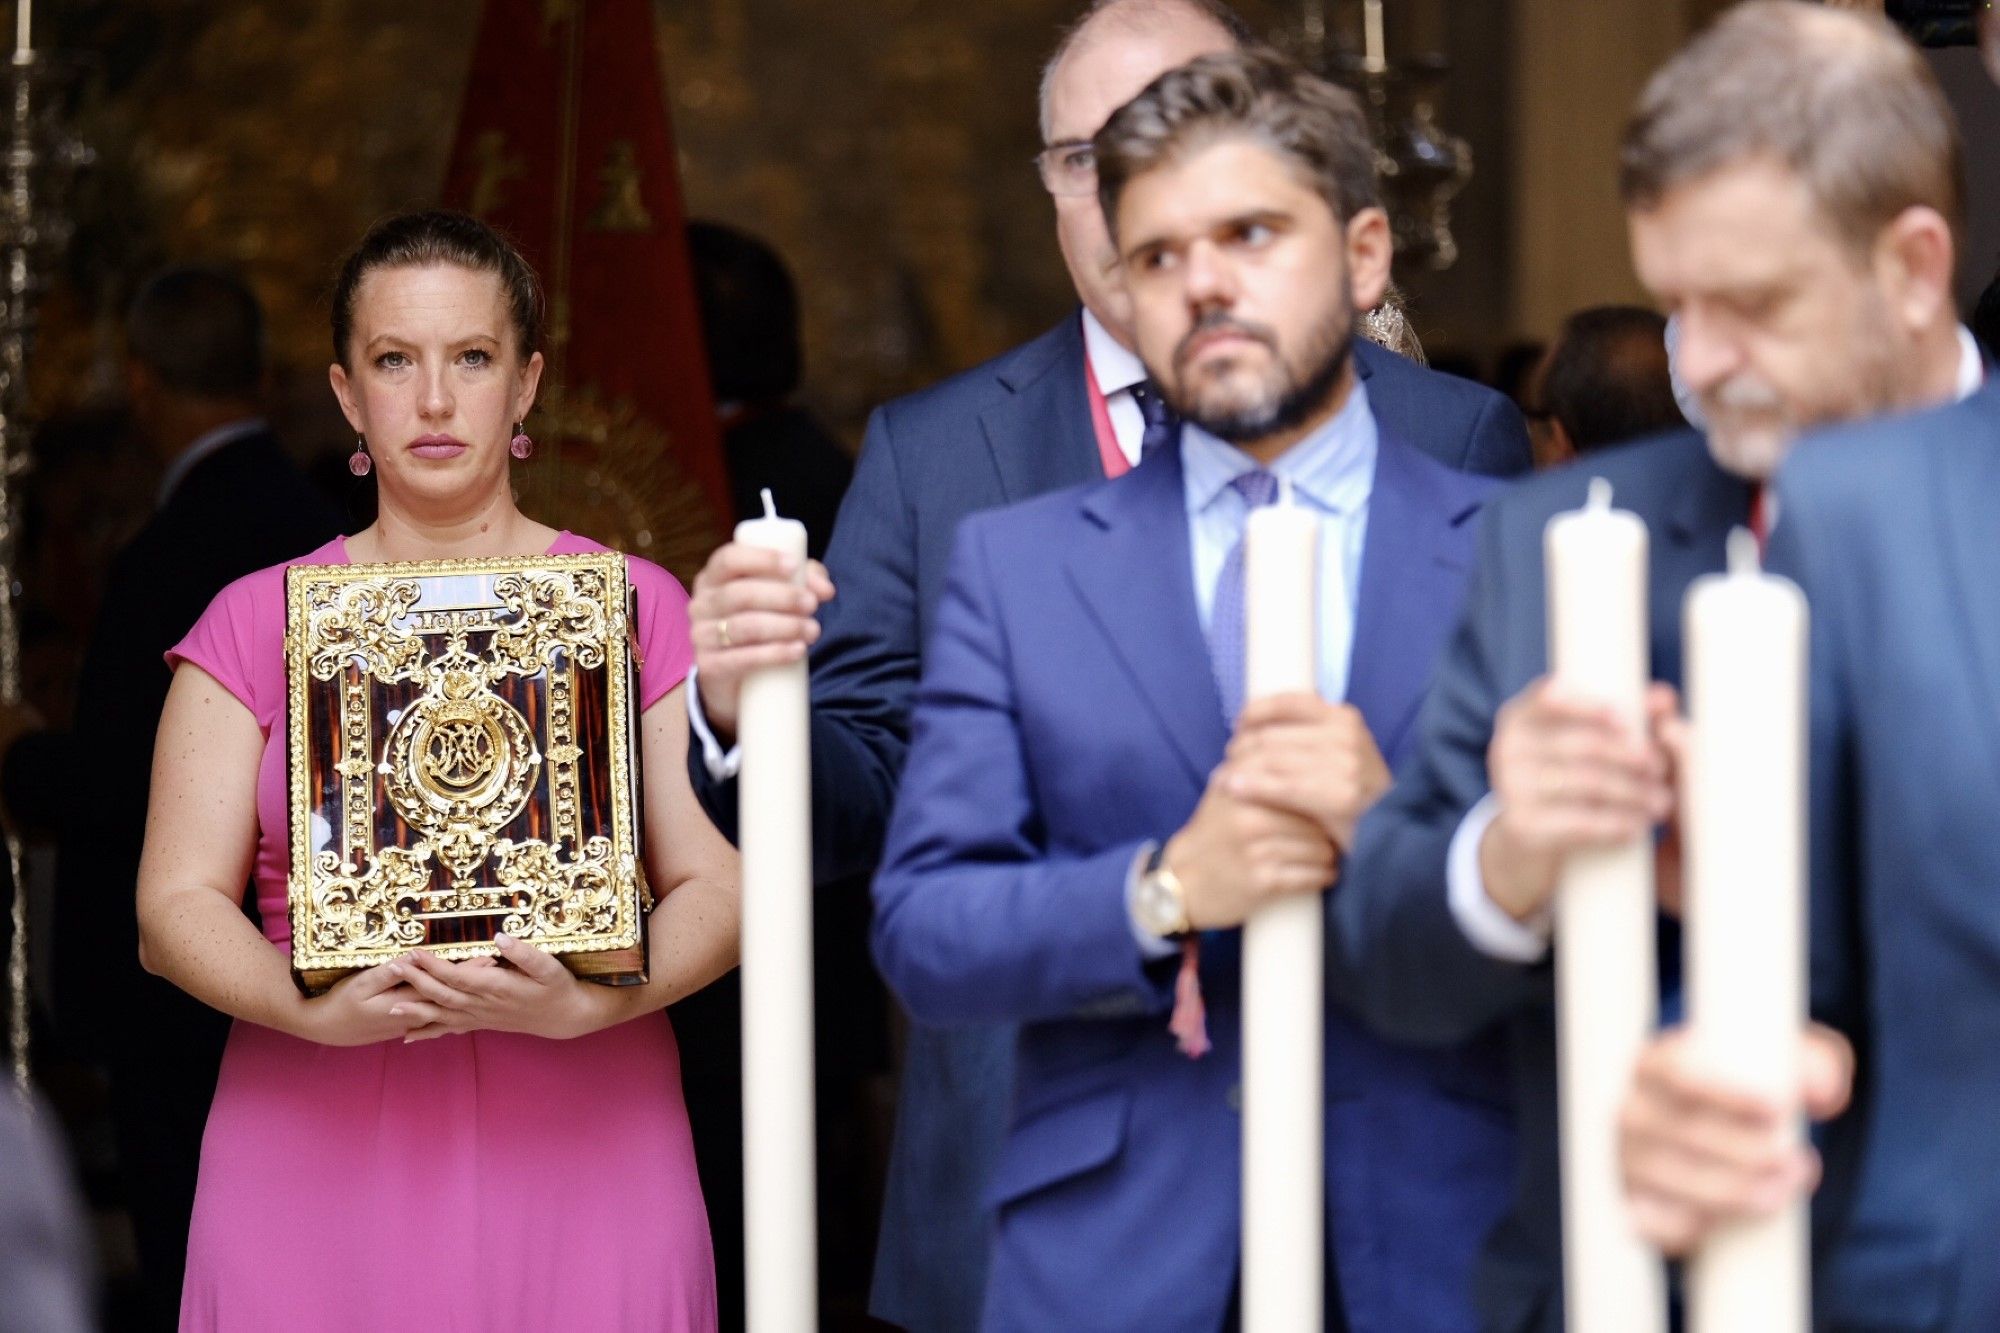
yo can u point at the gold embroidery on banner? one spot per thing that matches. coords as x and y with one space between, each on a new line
623 207
496 167
556 12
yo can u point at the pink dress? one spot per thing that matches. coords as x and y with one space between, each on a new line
491 1181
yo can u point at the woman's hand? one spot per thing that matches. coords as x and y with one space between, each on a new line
530 993
359 1010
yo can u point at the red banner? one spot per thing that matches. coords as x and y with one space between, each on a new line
564 143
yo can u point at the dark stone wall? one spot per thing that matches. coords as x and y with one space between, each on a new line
882 145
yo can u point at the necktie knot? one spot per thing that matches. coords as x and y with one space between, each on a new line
1258 487
1162 425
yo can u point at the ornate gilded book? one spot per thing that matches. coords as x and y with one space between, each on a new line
463 760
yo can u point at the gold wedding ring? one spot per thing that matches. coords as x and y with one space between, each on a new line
722 632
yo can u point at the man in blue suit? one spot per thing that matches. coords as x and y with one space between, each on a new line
1806 244
1016 427
1069 818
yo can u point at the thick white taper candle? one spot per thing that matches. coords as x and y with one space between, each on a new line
1374 47
1284 1085
24 26
1744 833
1607 989
780 1212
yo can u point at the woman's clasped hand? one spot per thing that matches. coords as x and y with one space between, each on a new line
420 996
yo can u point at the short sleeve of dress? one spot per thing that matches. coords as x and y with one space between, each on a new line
665 643
226 640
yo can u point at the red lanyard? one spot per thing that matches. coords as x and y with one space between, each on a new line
1108 452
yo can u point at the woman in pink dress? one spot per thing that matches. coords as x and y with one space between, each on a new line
511 1142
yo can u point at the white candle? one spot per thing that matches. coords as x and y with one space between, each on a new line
1284 1087
781 1257
1744 834
24 23
1374 47
1607 1000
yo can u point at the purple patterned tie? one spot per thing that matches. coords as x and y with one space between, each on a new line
1162 426
1225 622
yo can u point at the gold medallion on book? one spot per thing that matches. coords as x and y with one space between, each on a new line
463 761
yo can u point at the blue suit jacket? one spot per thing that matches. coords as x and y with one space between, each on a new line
1068 714
1419 977
1014 428
1893 531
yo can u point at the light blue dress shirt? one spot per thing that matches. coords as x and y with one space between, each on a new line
1332 472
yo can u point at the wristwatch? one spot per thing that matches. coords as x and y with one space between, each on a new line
1159 901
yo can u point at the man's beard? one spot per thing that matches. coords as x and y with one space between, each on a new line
1750 426
1288 404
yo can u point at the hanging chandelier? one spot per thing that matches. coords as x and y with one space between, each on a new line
1421 165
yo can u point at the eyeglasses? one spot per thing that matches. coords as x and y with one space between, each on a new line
1068 168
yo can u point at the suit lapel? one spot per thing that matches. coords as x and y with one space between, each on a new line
1710 505
1137 581
1407 574
1970 536
1040 433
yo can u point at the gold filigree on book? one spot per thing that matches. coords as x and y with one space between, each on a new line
462 755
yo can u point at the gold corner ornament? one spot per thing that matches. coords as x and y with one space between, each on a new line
462 760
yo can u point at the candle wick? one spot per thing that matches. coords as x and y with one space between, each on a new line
1743 558
770 505
1598 497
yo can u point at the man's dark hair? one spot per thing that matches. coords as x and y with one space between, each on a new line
1254 93
200 331
749 315
1606 380
1839 99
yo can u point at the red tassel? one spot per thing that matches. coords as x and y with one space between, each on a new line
1189 1023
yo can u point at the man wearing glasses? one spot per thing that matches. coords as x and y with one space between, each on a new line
1072 406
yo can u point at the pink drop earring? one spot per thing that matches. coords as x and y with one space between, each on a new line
520 446
358 462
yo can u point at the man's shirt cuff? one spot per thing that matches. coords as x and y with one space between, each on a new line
722 765
1485 923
